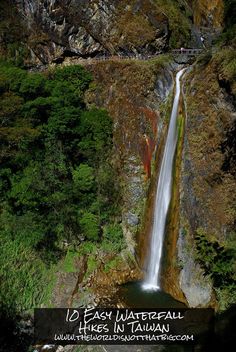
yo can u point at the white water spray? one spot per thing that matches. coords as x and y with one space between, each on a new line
163 197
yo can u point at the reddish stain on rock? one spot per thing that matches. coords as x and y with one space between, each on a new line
148 143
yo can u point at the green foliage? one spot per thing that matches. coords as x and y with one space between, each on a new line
114 234
96 134
90 226
11 77
179 23
230 12
83 178
226 296
204 58
219 262
228 36
33 86
73 74
25 279
87 247
10 106
161 60
226 61
113 239
13 33
91 265
23 186
112 264
26 229
55 176
230 70
69 261
225 56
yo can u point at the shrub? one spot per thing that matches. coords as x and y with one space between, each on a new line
25 279
217 260
90 226
69 265
83 178
33 86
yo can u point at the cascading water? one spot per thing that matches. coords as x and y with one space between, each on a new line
163 197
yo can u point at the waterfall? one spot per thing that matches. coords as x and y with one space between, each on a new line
163 197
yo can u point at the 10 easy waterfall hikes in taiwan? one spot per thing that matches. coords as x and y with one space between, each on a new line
163 197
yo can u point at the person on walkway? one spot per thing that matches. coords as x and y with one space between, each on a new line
203 40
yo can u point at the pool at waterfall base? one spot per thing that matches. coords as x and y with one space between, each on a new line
133 295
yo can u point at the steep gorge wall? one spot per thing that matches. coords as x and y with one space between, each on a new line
207 187
87 28
134 94
208 13
48 31
41 32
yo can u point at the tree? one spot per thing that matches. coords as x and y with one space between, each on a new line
96 134
90 226
83 178
32 86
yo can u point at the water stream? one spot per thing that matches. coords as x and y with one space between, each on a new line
163 197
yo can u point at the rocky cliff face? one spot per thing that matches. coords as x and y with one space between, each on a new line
210 116
89 28
134 94
208 179
51 30
208 13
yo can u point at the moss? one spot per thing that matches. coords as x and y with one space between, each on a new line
225 297
112 264
92 264
166 107
69 261
218 261
225 61
87 248
179 23
208 13
135 120
208 121
26 278
135 30
180 127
